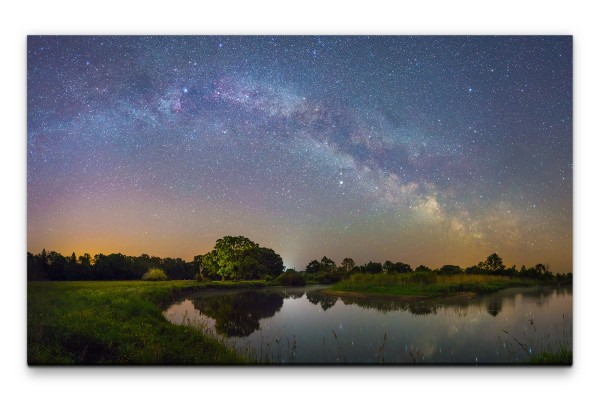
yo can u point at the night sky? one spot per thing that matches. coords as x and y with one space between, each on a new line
426 150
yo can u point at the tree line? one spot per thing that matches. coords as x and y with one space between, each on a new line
239 258
233 258
327 271
116 266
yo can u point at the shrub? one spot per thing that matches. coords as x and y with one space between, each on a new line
291 277
450 269
155 274
328 277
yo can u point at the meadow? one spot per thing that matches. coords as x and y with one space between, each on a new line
118 323
427 284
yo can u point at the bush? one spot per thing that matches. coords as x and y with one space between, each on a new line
291 277
155 274
450 269
328 277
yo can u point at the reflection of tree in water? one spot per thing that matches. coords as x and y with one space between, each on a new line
541 296
493 305
316 298
238 315
422 308
416 308
293 293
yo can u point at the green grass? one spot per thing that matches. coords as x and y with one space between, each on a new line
560 357
117 322
426 284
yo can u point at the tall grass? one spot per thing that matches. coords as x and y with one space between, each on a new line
426 283
550 349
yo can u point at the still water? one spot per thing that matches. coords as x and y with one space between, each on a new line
303 326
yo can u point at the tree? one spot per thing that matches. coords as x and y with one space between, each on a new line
239 258
347 265
37 266
373 267
397 267
313 267
57 264
450 269
178 269
494 263
270 261
422 268
209 266
327 264
476 269
198 265
230 254
72 268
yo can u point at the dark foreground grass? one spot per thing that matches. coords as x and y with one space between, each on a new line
117 322
561 357
427 284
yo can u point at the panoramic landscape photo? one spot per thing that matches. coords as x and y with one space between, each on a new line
299 200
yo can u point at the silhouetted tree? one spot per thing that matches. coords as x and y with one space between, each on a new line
313 267
397 267
494 263
57 265
271 262
450 269
327 264
373 268
347 265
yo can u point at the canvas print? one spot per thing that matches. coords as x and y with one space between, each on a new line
299 200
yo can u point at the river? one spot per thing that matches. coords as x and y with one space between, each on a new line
302 326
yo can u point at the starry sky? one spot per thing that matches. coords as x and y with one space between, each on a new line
427 150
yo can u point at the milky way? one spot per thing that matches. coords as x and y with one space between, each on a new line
426 150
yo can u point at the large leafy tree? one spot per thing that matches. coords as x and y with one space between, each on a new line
240 258
271 262
230 253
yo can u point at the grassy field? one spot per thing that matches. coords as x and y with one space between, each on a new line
117 322
426 284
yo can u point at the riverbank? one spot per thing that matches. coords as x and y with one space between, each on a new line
460 296
118 323
423 285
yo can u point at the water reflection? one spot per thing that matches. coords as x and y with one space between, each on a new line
317 298
238 314
494 305
295 325
414 307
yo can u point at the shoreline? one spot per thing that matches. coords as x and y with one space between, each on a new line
459 296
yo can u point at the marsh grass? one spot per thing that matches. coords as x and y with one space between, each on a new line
118 322
548 349
426 284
